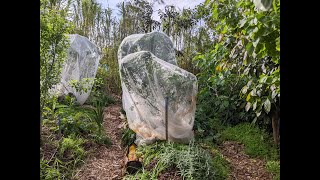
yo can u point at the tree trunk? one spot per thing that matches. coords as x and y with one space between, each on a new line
275 126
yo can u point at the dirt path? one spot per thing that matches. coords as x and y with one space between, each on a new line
106 163
242 166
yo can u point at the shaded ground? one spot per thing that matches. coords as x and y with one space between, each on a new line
106 163
242 166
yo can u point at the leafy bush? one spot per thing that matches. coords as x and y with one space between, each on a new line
274 168
79 121
76 122
70 148
242 69
257 142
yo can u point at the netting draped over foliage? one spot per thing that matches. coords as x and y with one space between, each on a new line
147 80
80 66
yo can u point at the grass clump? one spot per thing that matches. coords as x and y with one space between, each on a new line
274 168
192 161
257 143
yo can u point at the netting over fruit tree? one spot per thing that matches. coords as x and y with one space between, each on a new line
149 74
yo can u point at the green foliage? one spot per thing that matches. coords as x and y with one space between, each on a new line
77 128
82 86
251 44
141 175
53 46
257 143
128 136
242 70
80 121
110 76
98 110
70 148
220 164
274 168
192 161
47 172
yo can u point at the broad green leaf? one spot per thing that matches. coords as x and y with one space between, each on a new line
263 5
245 58
248 106
242 23
253 92
267 105
274 94
248 97
254 120
278 44
256 42
244 90
249 48
259 93
226 103
258 113
269 79
263 79
254 105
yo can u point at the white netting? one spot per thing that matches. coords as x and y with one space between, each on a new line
147 80
82 63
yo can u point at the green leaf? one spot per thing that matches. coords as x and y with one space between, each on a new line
242 23
226 103
274 94
248 106
254 120
256 42
269 80
249 48
267 105
248 97
263 79
253 92
254 105
244 89
258 113
278 44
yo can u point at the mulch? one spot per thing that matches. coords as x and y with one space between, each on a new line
106 162
243 167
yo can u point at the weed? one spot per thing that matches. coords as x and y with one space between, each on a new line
274 168
128 136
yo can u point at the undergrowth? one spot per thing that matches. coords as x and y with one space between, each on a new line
68 129
257 142
274 168
192 161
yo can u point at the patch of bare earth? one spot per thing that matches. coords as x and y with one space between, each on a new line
106 162
170 173
242 166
